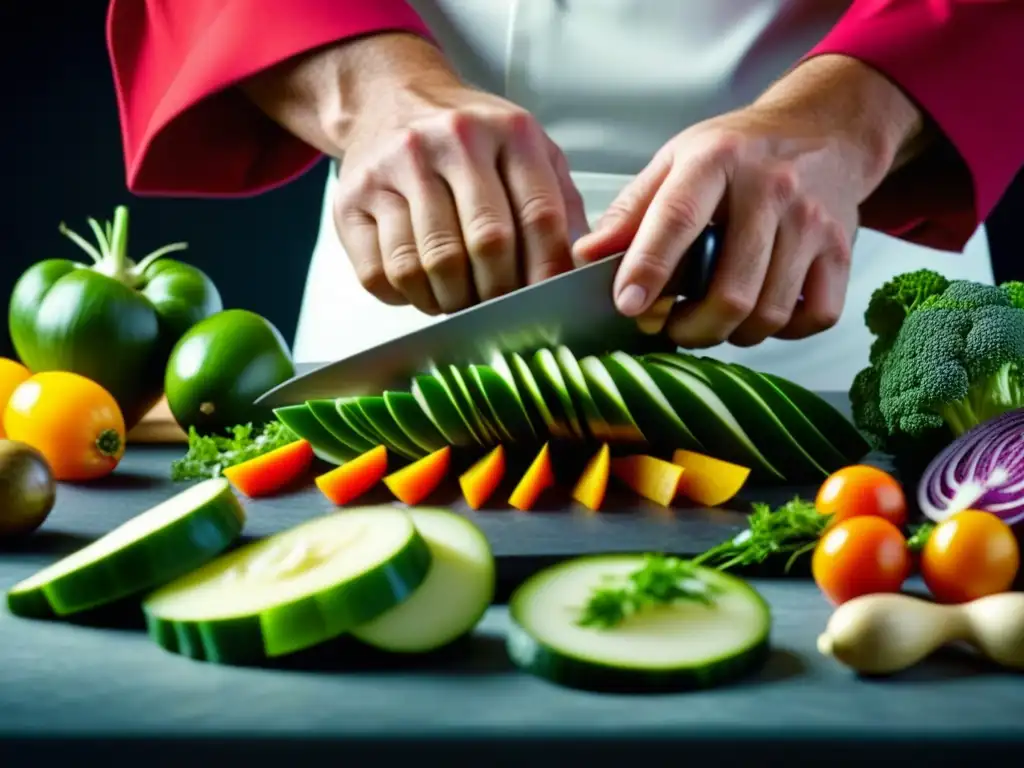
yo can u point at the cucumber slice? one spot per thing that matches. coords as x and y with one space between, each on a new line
432 398
452 380
491 433
413 421
376 411
841 431
326 412
577 385
542 413
300 420
293 590
676 647
519 413
503 404
622 428
653 412
555 390
709 420
793 419
451 601
161 544
682 360
350 412
763 427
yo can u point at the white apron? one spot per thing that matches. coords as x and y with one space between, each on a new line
611 81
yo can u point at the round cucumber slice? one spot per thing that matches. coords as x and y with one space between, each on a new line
413 421
542 413
654 414
300 420
293 590
452 380
326 412
622 427
452 599
680 646
432 398
164 542
377 413
552 383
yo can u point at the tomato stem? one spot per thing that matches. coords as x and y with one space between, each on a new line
109 442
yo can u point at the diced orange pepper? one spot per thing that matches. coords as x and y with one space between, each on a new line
483 478
651 477
412 484
709 481
354 478
538 477
593 483
273 471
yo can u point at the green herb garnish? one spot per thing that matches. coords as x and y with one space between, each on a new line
794 529
208 455
919 537
660 581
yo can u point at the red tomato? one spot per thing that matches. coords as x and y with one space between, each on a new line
969 555
860 556
862 490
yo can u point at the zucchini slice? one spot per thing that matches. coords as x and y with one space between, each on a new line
293 590
451 601
709 419
168 540
577 385
379 417
413 421
431 396
503 404
453 382
492 433
300 420
622 427
326 412
543 413
654 414
554 388
519 411
680 646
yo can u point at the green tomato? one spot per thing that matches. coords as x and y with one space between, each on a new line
113 321
221 366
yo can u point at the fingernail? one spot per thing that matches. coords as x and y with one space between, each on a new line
631 299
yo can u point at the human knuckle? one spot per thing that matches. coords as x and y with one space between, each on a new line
441 253
735 304
681 212
371 276
651 268
403 264
771 317
781 184
806 215
541 213
488 235
824 317
725 149
837 242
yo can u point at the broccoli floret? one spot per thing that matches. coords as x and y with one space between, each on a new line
956 362
1014 290
867 416
894 301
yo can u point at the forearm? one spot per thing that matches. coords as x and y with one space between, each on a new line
318 96
874 127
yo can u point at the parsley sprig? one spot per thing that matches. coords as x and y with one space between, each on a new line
661 580
793 529
208 455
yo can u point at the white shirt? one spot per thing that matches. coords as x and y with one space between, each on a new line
611 81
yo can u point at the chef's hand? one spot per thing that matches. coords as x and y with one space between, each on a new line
448 196
786 177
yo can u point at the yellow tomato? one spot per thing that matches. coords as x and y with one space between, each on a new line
73 421
12 374
969 555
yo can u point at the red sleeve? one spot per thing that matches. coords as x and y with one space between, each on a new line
960 61
185 130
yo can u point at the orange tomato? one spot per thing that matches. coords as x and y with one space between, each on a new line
862 490
12 374
860 556
969 555
73 421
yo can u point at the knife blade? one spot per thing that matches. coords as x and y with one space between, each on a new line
575 309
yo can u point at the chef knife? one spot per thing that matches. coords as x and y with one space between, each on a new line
575 309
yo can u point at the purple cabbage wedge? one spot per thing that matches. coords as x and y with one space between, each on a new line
982 469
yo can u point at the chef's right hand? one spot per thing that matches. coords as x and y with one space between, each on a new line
448 196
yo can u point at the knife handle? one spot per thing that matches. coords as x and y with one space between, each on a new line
692 277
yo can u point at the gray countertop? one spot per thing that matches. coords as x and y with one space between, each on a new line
79 690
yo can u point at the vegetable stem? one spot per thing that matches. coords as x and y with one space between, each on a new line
81 242
149 258
109 442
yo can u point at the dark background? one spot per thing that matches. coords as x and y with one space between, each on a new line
60 158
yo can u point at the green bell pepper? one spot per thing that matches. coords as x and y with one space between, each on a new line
114 321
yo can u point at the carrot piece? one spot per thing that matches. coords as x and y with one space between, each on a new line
412 484
273 471
537 478
709 481
649 476
483 478
593 483
354 478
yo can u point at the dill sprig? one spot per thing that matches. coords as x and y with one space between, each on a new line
661 580
794 529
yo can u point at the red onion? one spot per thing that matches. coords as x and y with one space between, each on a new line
982 469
